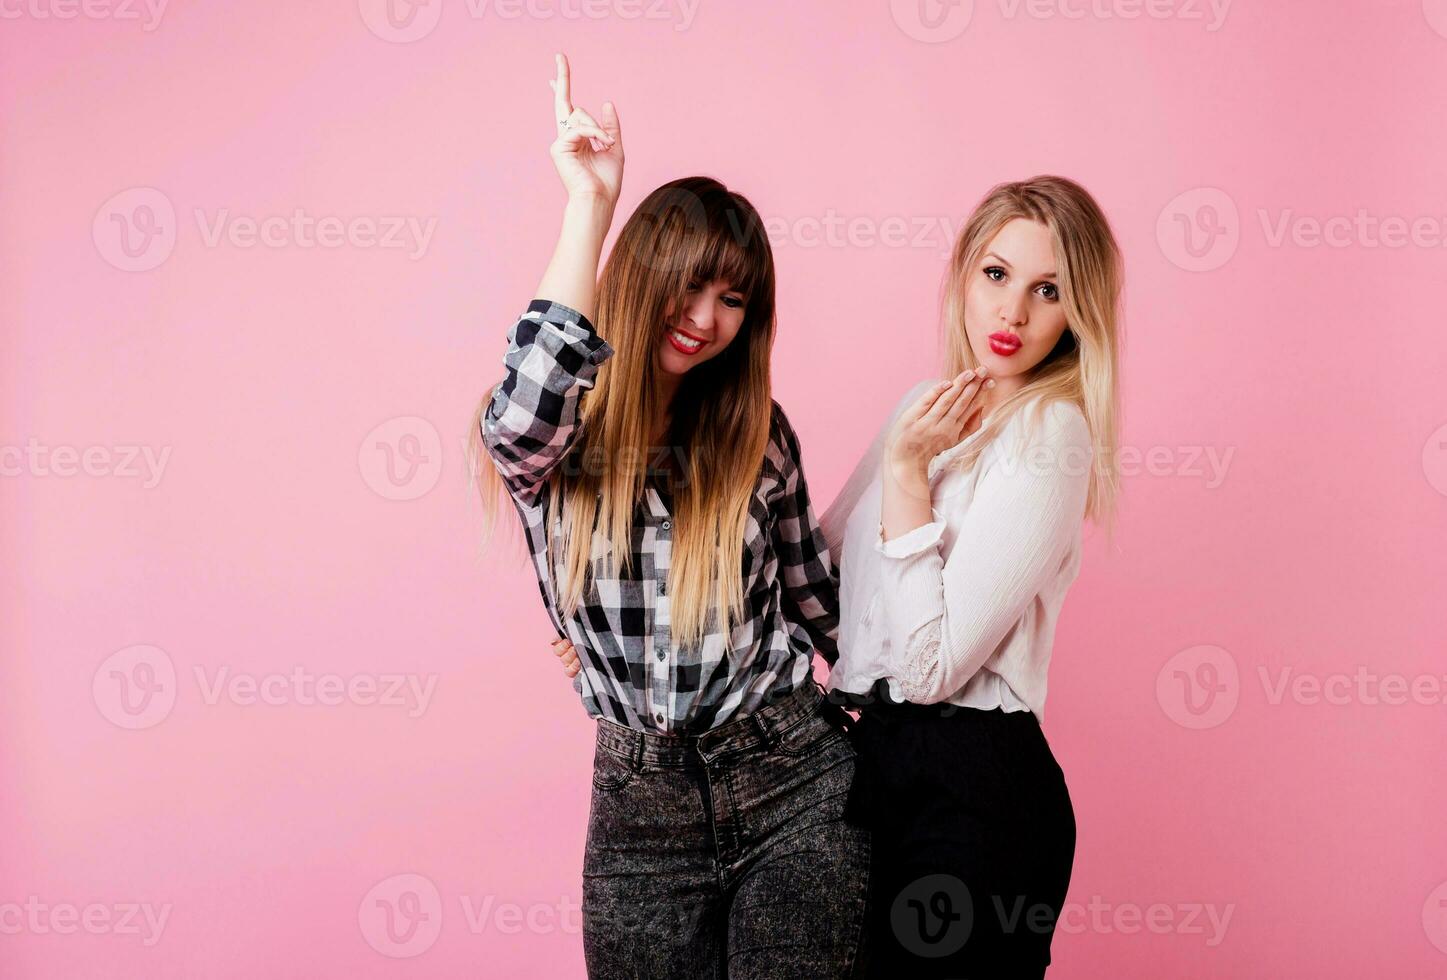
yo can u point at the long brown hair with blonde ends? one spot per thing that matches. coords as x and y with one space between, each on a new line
689 230
1084 366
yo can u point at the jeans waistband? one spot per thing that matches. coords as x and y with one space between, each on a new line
878 704
757 730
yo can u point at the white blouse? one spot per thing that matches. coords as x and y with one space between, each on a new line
963 609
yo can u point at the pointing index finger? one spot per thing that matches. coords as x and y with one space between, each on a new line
563 89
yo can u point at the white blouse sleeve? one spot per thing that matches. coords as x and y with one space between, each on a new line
835 519
945 619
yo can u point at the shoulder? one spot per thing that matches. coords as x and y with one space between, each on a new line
1063 423
1056 428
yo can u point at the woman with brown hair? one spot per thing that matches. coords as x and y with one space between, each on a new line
660 489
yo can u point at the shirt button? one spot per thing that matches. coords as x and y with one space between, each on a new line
660 654
658 718
667 525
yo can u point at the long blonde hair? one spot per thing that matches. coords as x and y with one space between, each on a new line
688 230
1083 367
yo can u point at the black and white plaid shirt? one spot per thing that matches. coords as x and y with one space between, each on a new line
631 671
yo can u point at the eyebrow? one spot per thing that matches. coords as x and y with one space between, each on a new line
1006 262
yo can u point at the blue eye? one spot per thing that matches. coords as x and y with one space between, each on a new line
991 270
1050 292
733 302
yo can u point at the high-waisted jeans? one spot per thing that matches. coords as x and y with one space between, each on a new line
727 854
974 839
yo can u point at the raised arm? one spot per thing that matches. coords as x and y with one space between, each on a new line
554 351
589 159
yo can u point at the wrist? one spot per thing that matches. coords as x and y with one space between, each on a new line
589 204
909 474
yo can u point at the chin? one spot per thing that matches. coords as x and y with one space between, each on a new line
1001 367
672 362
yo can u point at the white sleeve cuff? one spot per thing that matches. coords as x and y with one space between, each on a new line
913 542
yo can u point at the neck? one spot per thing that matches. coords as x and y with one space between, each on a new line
1004 388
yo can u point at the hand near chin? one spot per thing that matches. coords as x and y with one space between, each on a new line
937 421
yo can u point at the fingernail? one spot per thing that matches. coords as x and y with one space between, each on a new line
990 383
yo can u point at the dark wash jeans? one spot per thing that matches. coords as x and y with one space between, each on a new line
974 840
726 854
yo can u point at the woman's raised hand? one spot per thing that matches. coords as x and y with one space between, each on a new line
937 420
587 153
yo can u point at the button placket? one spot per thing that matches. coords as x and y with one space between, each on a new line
661 633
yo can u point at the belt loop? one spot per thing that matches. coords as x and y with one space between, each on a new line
764 732
637 760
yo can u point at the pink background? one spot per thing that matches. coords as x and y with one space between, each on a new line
278 537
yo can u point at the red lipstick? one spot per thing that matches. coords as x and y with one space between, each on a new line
682 348
1004 344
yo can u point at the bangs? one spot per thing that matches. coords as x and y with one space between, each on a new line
735 250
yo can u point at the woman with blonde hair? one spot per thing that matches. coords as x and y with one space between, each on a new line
958 535
664 504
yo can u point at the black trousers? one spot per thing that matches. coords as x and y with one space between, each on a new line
974 838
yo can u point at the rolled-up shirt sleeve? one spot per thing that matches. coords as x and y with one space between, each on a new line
532 420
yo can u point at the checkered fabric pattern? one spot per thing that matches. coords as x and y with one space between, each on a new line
632 672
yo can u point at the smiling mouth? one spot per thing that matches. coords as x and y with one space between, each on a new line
683 342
